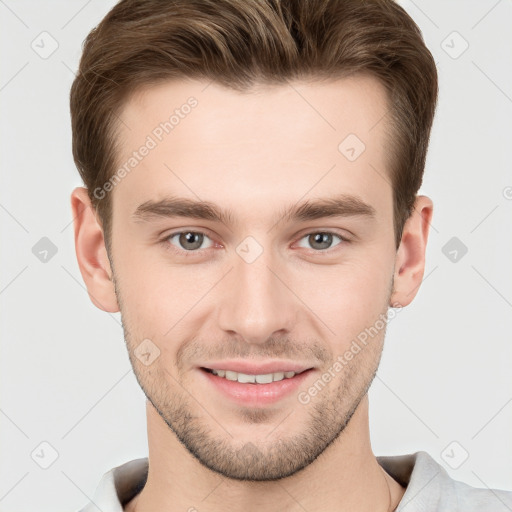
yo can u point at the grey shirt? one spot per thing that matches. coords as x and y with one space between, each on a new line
429 488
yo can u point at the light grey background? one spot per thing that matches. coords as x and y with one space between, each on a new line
65 376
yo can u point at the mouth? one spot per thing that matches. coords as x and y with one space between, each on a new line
247 378
254 389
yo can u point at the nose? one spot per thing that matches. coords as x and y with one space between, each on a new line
256 300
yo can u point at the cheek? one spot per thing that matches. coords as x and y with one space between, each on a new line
157 298
160 298
347 298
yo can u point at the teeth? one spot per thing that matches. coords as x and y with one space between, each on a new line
264 379
244 378
253 379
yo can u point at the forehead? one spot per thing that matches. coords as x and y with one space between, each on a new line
274 143
331 108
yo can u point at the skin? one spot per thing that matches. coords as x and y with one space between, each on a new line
256 153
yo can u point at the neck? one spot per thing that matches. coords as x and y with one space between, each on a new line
345 477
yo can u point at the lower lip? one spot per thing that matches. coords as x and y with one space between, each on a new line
256 394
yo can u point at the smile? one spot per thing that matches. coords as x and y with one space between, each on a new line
245 378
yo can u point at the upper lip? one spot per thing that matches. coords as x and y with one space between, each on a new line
253 368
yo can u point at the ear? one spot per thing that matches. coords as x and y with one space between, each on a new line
91 252
410 257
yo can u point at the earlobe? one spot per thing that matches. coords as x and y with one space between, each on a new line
91 252
410 257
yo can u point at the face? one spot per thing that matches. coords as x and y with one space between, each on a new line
287 266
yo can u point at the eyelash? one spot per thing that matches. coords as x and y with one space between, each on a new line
190 254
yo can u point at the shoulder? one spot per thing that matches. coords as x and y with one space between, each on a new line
475 499
430 487
119 486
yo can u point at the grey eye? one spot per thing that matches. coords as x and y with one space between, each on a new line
188 240
321 240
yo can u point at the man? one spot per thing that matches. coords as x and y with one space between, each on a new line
251 209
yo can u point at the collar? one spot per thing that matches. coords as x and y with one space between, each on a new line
424 479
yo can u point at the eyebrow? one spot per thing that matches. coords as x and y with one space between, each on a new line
339 206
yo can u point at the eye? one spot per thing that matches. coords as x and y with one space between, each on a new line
321 240
192 241
188 241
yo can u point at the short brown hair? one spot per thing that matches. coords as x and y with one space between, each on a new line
242 43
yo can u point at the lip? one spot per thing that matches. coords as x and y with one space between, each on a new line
254 368
255 395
